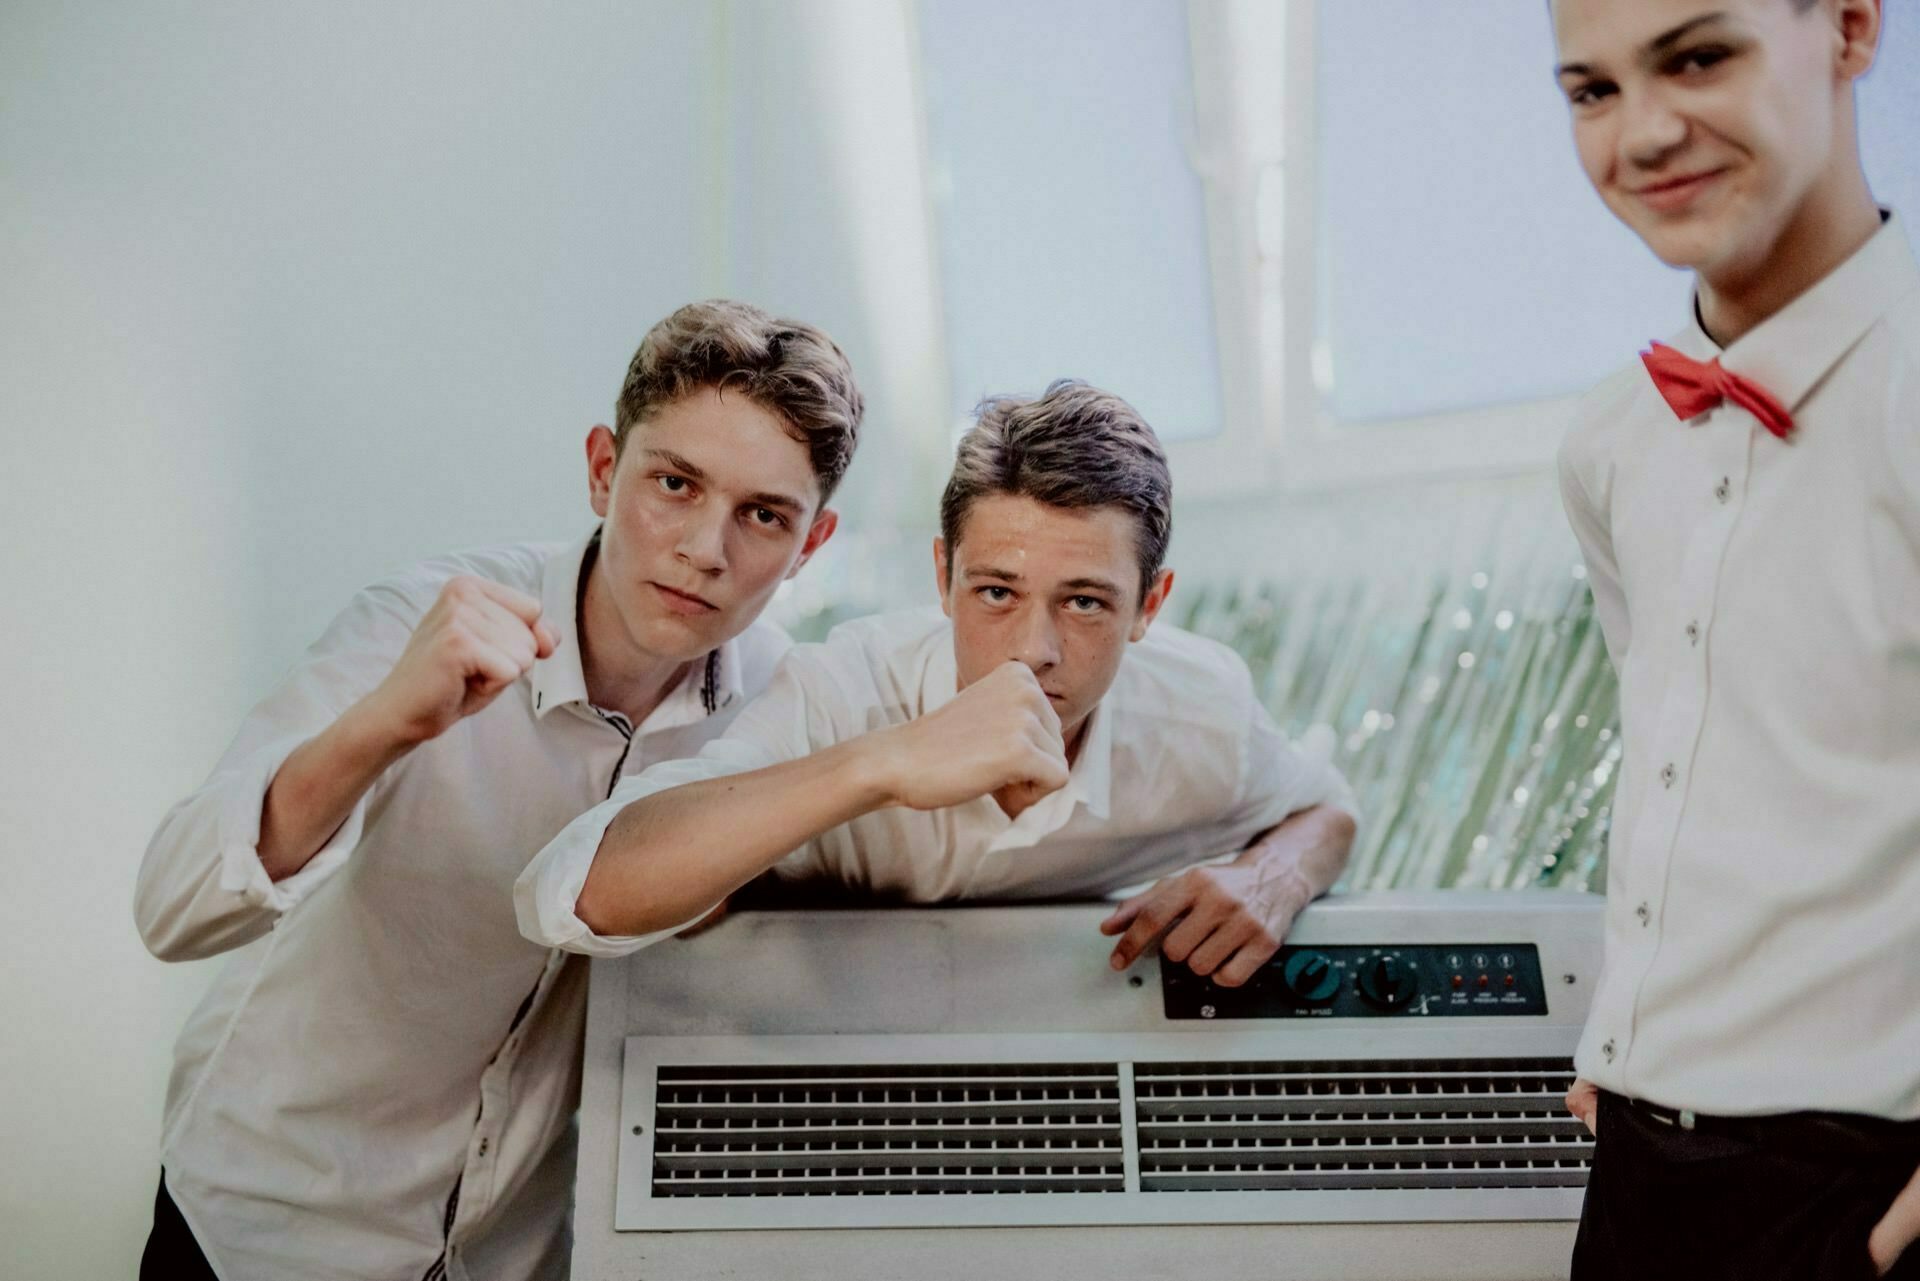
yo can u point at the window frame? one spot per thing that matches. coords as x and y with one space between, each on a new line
1256 153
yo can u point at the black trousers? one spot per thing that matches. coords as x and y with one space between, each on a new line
172 1254
1776 1200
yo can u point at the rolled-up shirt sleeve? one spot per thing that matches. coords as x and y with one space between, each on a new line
202 889
772 729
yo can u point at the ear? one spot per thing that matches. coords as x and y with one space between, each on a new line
1858 23
818 533
940 571
601 461
1150 606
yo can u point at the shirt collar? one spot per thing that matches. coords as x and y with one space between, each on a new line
1792 351
558 679
1092 776
941 679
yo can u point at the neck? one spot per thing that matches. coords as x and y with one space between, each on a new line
621 677
1821 236
1075 737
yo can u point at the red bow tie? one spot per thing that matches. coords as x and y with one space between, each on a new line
1693 387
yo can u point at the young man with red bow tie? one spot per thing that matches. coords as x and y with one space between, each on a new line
1748 500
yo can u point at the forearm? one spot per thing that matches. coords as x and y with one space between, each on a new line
668 857
1304 855
320 783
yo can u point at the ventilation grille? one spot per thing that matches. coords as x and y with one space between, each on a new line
1453 1123
887 1130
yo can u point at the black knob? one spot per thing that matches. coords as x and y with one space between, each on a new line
1311 977
1388 983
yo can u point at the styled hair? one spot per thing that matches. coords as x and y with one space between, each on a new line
793 371
1075 446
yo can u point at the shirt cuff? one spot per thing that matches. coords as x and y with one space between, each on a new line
545 895
238 833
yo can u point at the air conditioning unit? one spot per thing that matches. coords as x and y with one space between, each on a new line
973 1092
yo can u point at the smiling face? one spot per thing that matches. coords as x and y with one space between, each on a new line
1720 131
1055 588
710 505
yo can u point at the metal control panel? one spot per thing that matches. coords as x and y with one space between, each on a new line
1461 979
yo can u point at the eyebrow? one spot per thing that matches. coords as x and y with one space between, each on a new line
1072 584
764 498
767 498
678 463
1658 45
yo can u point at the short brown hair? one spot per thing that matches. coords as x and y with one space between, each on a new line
792 370
1075 447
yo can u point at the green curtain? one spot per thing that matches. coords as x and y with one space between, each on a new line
1477 719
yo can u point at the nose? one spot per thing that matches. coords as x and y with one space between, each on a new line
702 545
1651 130
1037 641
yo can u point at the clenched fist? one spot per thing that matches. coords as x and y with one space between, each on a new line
997 734
478 638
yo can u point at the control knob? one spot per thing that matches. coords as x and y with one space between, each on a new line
1311 977
1388 982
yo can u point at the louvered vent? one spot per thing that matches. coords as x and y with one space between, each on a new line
887 1130
1452 1123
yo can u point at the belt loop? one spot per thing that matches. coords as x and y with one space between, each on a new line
1686 1119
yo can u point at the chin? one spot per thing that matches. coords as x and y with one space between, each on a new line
1708 241
682 640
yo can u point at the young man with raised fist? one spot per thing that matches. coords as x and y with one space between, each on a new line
1747 496
1037 736
380 1084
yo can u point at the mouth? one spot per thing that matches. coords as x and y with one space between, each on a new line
1673 195
684 603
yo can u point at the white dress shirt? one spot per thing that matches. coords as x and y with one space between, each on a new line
1761 601
386 1070
1179 764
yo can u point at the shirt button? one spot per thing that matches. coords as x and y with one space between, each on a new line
1693 633
1724 490
1645 914
1606 1051
1668 773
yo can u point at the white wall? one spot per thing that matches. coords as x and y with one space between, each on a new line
289 294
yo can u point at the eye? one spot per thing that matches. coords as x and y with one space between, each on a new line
673 484
994 594
1085 604
766 518
1590 93
1695 62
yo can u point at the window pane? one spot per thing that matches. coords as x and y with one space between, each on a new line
1889 107
1072 232
1465 260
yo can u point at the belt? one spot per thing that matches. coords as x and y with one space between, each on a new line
1816 1133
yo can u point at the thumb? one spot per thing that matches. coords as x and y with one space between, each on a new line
546 639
